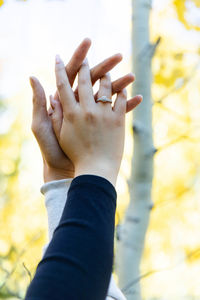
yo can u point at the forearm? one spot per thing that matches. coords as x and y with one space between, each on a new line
55 193
84 235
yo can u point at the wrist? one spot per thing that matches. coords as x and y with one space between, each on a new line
103 170
51 174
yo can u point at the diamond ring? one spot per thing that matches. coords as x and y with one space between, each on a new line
104 99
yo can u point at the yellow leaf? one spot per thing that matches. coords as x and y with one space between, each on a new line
1 2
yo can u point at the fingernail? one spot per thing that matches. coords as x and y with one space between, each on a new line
132 74
52 101
87 39
58 59
140 97
124 91
85 61
31 81
119 55
50 111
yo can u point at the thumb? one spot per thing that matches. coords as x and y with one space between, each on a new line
39 99
56 116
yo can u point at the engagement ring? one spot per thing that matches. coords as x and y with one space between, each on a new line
104 99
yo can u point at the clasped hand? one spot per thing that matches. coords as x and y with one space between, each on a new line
82 137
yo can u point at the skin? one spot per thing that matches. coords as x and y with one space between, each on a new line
91 134
57 164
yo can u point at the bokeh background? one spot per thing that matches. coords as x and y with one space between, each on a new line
32 32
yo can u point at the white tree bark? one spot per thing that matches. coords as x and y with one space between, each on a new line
132 232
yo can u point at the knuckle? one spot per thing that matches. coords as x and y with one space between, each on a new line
60 84
119 122
70 115
90 116
107 120
106 84
83 81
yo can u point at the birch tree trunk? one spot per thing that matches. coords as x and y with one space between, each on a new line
131 234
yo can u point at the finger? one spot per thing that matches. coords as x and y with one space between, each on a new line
120 83
65 92
75 62
57 116
132 103
39 99
105 89
120 103
85 90
105 86
104 67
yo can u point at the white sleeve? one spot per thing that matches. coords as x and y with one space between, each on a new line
55 193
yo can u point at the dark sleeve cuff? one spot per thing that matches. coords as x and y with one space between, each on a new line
98 181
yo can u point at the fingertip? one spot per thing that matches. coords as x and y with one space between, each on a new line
59 64
50 111
87 41
107 76
140 97
85 62
52 102
133 103
32 82
58 59
84 65
83 48
119 56
131 76
35 84
124 93
55 104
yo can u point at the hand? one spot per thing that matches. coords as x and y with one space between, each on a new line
91 134
56 164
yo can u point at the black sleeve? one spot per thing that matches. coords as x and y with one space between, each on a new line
78 262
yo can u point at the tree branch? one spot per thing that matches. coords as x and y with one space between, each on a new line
27 270
24 250
127 288
184 82
172 112
149 50
177 140
155 46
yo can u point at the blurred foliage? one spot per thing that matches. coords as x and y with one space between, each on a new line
10 146
172 244
182 8
14 242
